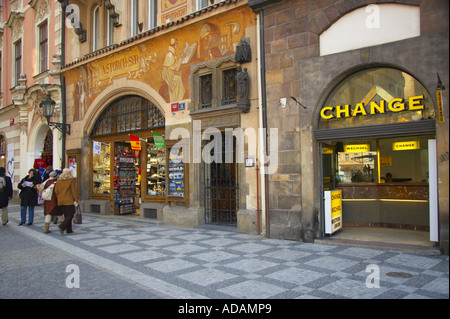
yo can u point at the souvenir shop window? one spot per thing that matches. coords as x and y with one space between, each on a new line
126 178
101 168
156 166
177 171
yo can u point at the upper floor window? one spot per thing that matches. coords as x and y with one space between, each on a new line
95 28
215 86
202 4
206 91
17 61
371 25
152 13
109 29
43 47
229 86
134 17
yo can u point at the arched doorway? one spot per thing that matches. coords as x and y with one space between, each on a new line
122 175
376 131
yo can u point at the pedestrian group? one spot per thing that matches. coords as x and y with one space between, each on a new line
59 193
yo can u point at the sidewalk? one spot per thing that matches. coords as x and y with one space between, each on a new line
131 258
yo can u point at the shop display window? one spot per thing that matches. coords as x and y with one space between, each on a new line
101 168
126 178
156 169
387 160
176 173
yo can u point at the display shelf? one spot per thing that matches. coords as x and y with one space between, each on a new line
125 185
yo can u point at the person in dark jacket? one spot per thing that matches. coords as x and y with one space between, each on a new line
6 193
28 196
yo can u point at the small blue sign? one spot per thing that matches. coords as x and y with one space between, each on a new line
181 107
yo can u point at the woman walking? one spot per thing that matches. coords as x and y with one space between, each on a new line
6 193
67 196
51 208
28 196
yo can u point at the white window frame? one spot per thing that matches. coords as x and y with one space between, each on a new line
95 28
15 76
152 13
199 4
38 45
109 29
134 18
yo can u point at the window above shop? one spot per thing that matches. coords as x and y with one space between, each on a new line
376 96
128 114
371 25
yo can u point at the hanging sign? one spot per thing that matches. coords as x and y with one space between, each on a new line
357 148
159 140
404 146
333 211
439 101
135 143
97 148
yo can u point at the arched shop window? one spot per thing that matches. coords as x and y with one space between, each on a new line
376 96
375 129
127 114
376 124
117 167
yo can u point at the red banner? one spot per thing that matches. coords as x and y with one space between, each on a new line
135 143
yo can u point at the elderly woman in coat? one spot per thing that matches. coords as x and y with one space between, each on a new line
50 206
67 195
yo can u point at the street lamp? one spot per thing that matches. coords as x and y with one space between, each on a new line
48 107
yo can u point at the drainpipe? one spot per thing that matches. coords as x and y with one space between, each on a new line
63 81
263 139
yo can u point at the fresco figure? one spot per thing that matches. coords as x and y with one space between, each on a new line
171 73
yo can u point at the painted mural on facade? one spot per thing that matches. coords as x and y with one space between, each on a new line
163 62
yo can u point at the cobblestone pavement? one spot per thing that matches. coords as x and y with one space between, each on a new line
119 258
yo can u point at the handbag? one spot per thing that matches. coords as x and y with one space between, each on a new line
78 218
48 192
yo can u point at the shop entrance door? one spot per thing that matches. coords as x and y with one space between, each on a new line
386 184
221 191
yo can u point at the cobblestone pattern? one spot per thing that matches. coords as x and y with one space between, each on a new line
132 259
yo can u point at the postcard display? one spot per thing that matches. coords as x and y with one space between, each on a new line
125 184
176 175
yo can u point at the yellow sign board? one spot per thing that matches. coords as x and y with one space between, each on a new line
407 145
327 150
386 160
119 64
371 108
440 108
333 211
357 148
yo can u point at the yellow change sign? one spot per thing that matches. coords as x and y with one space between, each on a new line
333 211
407 145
